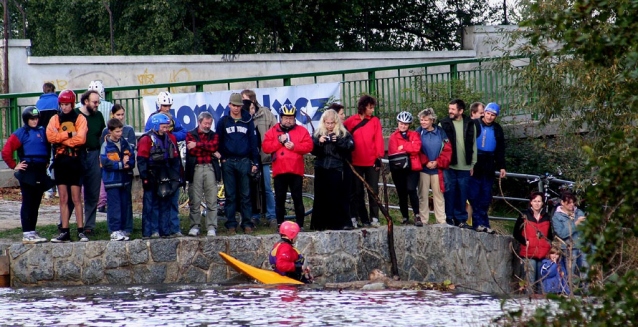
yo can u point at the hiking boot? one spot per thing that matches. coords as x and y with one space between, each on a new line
417 221
64 237
375 222
248 230
354 223
82 237
32 238
211 232
405 221
464 225
273 223
116 236
193 232
232 231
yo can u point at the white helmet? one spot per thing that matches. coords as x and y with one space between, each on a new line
405 117
97 86
164 98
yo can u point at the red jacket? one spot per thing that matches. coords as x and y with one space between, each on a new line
368 141
284 160
442 162
412 146
285 255
526 230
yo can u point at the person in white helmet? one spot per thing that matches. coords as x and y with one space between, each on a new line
105 106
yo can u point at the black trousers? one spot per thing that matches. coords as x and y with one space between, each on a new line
357 203
332 201
31 198
406 182
294 182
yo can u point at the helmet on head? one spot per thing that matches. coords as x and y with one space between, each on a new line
289 229
159 119
29 113
405 117
97 86
66 96
287 110
164 98
493 108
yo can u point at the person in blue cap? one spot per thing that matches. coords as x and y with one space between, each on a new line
490 146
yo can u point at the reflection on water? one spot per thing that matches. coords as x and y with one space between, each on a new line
201 305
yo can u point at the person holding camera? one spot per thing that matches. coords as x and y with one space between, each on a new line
533 230
332 146
287 143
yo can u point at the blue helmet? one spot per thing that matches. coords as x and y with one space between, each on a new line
157 120
493 108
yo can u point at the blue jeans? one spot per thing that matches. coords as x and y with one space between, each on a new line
117 211
456 192
236 180
155 214
480 198
270 197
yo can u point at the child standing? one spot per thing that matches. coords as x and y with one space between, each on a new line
553 273
117 161
284 258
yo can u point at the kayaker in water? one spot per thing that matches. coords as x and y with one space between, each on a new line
285 259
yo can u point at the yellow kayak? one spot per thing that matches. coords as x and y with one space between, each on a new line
263 276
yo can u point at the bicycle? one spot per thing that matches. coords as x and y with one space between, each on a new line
551 198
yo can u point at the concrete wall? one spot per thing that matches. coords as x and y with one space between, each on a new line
434 253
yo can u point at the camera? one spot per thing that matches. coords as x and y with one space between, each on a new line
330 136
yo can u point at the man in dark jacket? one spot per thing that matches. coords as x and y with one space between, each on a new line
490 157
462 134
239 156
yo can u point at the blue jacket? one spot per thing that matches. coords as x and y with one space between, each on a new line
551 278
238 139
565 227
47 101
176 128
112 159
127 132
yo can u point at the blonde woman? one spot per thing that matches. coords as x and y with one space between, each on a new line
332 147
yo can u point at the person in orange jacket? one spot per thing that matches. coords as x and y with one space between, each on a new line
67 132
287 143
405 146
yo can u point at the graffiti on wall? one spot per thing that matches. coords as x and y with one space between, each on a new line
147 79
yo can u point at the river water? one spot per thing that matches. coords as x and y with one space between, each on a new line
242 305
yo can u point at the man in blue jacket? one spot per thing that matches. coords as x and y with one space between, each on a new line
239 156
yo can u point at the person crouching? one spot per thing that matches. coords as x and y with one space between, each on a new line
285 259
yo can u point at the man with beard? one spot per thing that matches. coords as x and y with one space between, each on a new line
461 131
90 156
202 173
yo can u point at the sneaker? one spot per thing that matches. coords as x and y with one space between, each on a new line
123 233
417 221
82 237
248 230
484 229
174 235
193 232
354 223
155 235
39 239
116 236
405 221
273 223
211 232
101 209
32 238
464 225
64 237
375 222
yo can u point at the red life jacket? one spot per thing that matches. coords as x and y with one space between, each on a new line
538 247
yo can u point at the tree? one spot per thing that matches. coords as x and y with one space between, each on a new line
583 72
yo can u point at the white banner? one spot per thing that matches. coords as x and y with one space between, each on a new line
307 98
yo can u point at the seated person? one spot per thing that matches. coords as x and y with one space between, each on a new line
285 259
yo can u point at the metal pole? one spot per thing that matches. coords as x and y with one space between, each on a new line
6 47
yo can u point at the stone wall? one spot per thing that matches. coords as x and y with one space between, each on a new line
434 253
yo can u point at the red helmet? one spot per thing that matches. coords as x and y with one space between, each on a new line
289 229
66 96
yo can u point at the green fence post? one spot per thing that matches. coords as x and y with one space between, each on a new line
287 81
15 114
199 88
372 82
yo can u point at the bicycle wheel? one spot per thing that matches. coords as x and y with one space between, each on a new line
308 202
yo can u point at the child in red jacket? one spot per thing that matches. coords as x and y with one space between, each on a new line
285 259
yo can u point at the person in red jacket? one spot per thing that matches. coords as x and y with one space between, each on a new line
407 145
533 230
287 143
285 259
366 159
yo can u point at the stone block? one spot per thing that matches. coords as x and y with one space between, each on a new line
245 243
119 276
219 273
93 272
138 252
149 274
61 251
115 255
187 250
201 262
95 249
17 249
67 270
213 245
164 250
193 275
173 272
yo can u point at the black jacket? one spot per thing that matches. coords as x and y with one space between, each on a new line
469 127
330 155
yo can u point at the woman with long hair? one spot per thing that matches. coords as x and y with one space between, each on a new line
332 147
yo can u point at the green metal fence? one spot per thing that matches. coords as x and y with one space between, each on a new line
395 87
